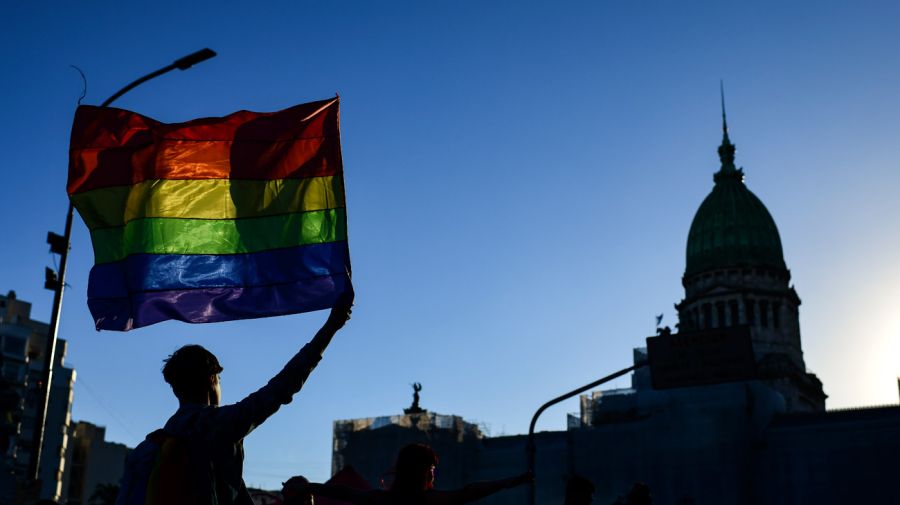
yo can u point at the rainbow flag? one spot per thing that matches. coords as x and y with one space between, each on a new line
214 219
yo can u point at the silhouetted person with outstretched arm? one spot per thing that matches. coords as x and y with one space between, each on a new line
210 436
413 485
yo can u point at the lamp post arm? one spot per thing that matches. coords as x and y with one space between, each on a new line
136 83
181 64
530 446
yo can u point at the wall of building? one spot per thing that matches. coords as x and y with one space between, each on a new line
56 434
689 443
91 462
23 342
371 445
845 456
503 457
721 444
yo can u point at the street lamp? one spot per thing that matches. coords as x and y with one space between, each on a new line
61 245
530 445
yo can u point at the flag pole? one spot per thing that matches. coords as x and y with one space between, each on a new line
530 446
61 246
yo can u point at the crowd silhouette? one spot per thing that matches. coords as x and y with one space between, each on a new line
413 485
197 457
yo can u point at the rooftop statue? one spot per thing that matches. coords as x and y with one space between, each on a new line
415 408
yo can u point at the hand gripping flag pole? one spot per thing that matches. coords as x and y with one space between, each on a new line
50 351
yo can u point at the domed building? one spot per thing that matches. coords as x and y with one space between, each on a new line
735 275
761 436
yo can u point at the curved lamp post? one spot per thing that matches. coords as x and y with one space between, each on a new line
530 446
61 245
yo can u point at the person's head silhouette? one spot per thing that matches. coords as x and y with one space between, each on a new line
579 491
414 470
193 372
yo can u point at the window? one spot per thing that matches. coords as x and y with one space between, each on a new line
764 313
14 345
13 372
707 315
776 315
720 315
750 306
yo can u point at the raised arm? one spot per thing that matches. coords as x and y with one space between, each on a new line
340 314
234 422
478 490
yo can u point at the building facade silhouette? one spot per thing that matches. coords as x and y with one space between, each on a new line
769 440
24 343
91 462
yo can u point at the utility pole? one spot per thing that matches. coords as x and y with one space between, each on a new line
57 281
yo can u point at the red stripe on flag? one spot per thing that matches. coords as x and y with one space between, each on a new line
115 147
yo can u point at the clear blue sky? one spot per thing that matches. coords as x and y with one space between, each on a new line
520 176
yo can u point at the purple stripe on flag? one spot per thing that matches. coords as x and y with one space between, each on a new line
217 304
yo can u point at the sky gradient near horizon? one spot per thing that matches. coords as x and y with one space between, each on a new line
521 177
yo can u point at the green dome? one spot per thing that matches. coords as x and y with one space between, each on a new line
732 227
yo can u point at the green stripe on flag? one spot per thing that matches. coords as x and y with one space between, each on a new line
231 236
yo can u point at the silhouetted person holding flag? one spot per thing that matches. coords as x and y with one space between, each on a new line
413 485
197 458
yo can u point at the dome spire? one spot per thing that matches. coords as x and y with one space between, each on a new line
726 150
724 122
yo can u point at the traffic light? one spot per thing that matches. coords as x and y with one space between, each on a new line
51 281
57 243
